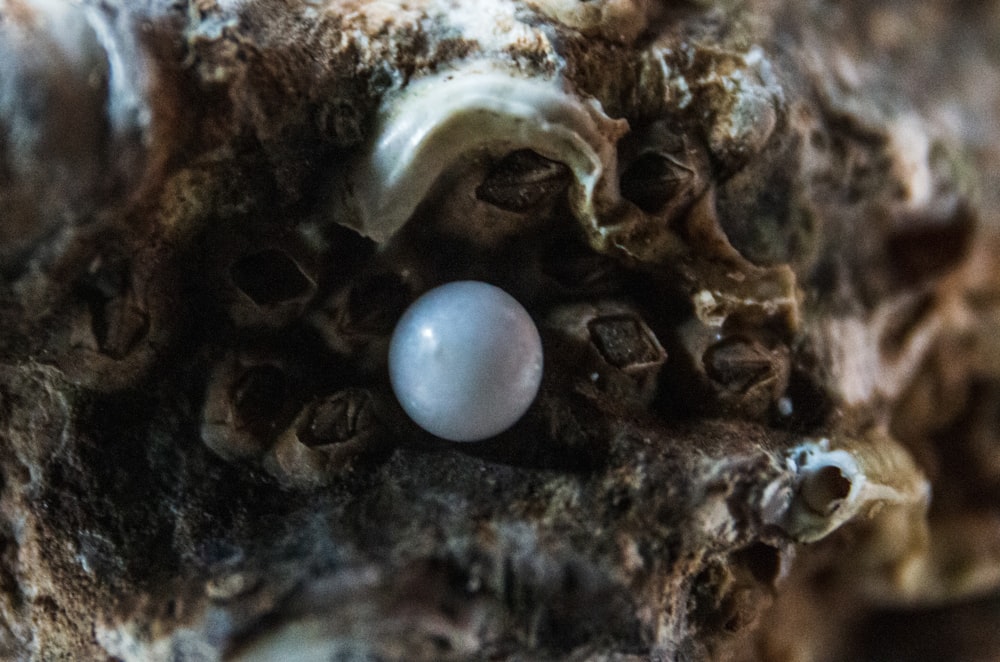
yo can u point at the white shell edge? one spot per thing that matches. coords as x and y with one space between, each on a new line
435 120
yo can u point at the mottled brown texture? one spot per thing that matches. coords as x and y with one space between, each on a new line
767 428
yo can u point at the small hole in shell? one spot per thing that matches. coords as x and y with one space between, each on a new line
338 418
824 490
260 396
651 181
523 180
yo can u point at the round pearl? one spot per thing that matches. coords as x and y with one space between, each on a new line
465 361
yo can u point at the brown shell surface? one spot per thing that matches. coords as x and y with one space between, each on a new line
759 240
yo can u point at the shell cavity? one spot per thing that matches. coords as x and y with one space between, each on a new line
831 486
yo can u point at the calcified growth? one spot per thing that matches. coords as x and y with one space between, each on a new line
753 238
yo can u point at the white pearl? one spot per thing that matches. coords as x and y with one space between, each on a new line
465 361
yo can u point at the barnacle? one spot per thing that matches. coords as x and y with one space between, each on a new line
614 352
439 119
755 241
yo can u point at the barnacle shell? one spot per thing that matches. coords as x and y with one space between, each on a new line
831 486
480 108
757 242
329 438
614 350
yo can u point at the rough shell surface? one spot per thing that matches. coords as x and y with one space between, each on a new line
759 240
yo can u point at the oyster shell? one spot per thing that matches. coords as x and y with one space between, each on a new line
764 283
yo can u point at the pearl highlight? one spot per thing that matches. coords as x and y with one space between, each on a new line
465 361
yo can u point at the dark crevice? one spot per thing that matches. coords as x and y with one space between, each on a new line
270 277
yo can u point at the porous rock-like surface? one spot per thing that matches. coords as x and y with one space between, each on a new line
768 424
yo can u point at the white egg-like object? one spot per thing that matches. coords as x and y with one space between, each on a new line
465 361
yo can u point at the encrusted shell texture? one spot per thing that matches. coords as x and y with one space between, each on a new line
752 238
